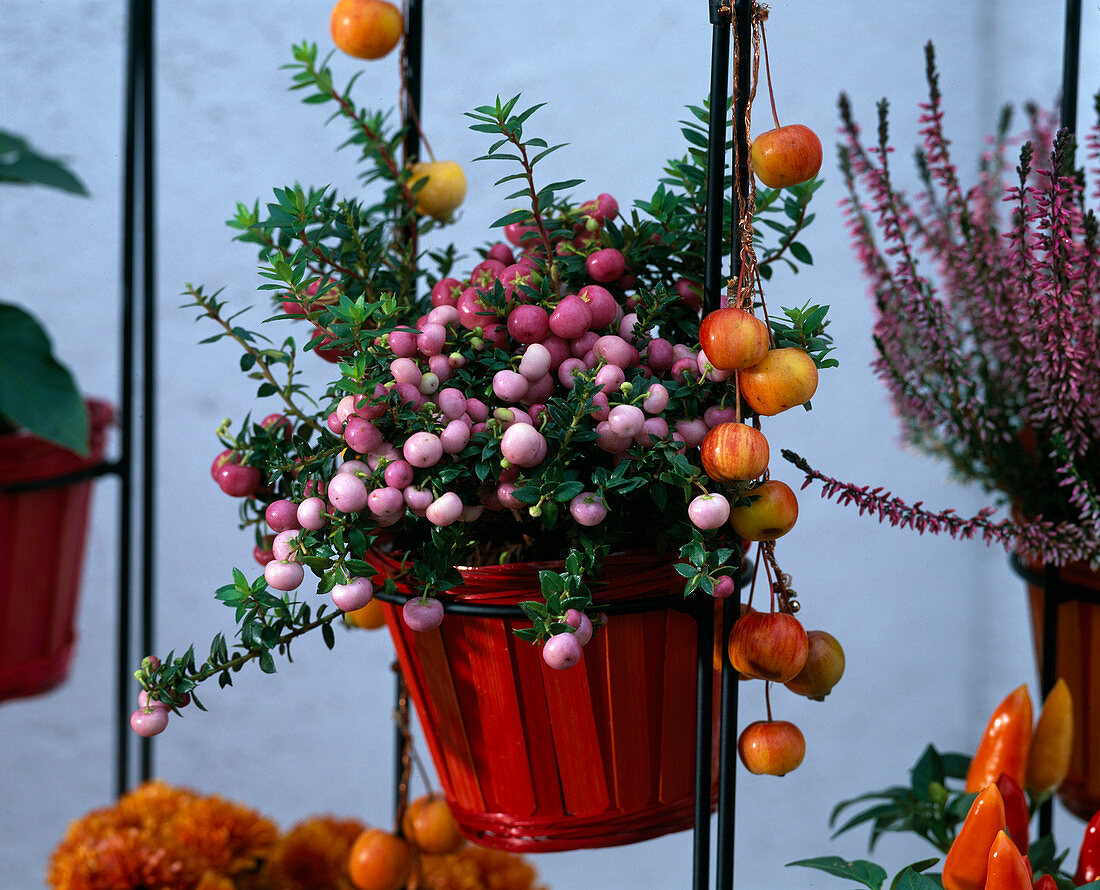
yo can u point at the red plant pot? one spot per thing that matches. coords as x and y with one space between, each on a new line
1078 662
42 534
538 760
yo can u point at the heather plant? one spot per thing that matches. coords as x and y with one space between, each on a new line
987 327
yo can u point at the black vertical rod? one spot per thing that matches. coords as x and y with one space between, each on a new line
126 457
704 717
411 74
1071 55
1053 596
716 154
149 364
414 59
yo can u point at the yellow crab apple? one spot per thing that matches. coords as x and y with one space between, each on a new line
443 190
782 379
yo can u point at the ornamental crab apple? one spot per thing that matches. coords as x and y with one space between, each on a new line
366 29
786 156
443 189
771 747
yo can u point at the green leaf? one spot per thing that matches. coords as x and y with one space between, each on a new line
860 870
22 164
801 253
37 392
927 769
267 663
910 877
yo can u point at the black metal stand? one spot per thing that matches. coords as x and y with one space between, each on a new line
138 275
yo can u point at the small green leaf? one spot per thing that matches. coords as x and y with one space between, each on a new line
267 663
860 870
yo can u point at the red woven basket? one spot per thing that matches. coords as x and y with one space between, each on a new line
537 760
42 535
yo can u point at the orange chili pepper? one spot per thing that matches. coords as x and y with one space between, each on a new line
1005 745
1008 868
1017 815
968 859
1052 741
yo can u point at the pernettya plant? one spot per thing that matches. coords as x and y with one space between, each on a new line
988 327
544 400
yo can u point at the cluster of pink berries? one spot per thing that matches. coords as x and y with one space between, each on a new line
448 370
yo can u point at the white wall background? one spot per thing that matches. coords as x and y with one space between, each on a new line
935 631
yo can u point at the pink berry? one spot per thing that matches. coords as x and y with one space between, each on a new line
724 586
502 253
451 402
535 363
405 370
562 651
581 624
709 511
568 368
626 420
148 722
386 502
283 575
588 508
418 499
610 377
445 292
659 354
528 323
454 437
398 473
656 399
353 595
693 431
422 614
311 513
402 343
510 386
347 493
285 546
615 350
362 435
238 480
445 509
523 445
422 449
601 304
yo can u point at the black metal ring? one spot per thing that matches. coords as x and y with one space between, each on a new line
91 472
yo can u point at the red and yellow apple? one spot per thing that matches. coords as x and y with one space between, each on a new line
783 378
734 452
771 747
786 156
366 29
768 646
733 338
430 826
823 669
771 513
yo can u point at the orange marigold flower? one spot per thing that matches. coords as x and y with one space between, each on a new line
313 855
229 837
476 868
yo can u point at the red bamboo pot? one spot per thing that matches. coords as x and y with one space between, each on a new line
1077 659
42 536
536 760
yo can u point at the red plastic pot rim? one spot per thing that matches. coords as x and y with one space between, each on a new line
26 458
629 575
